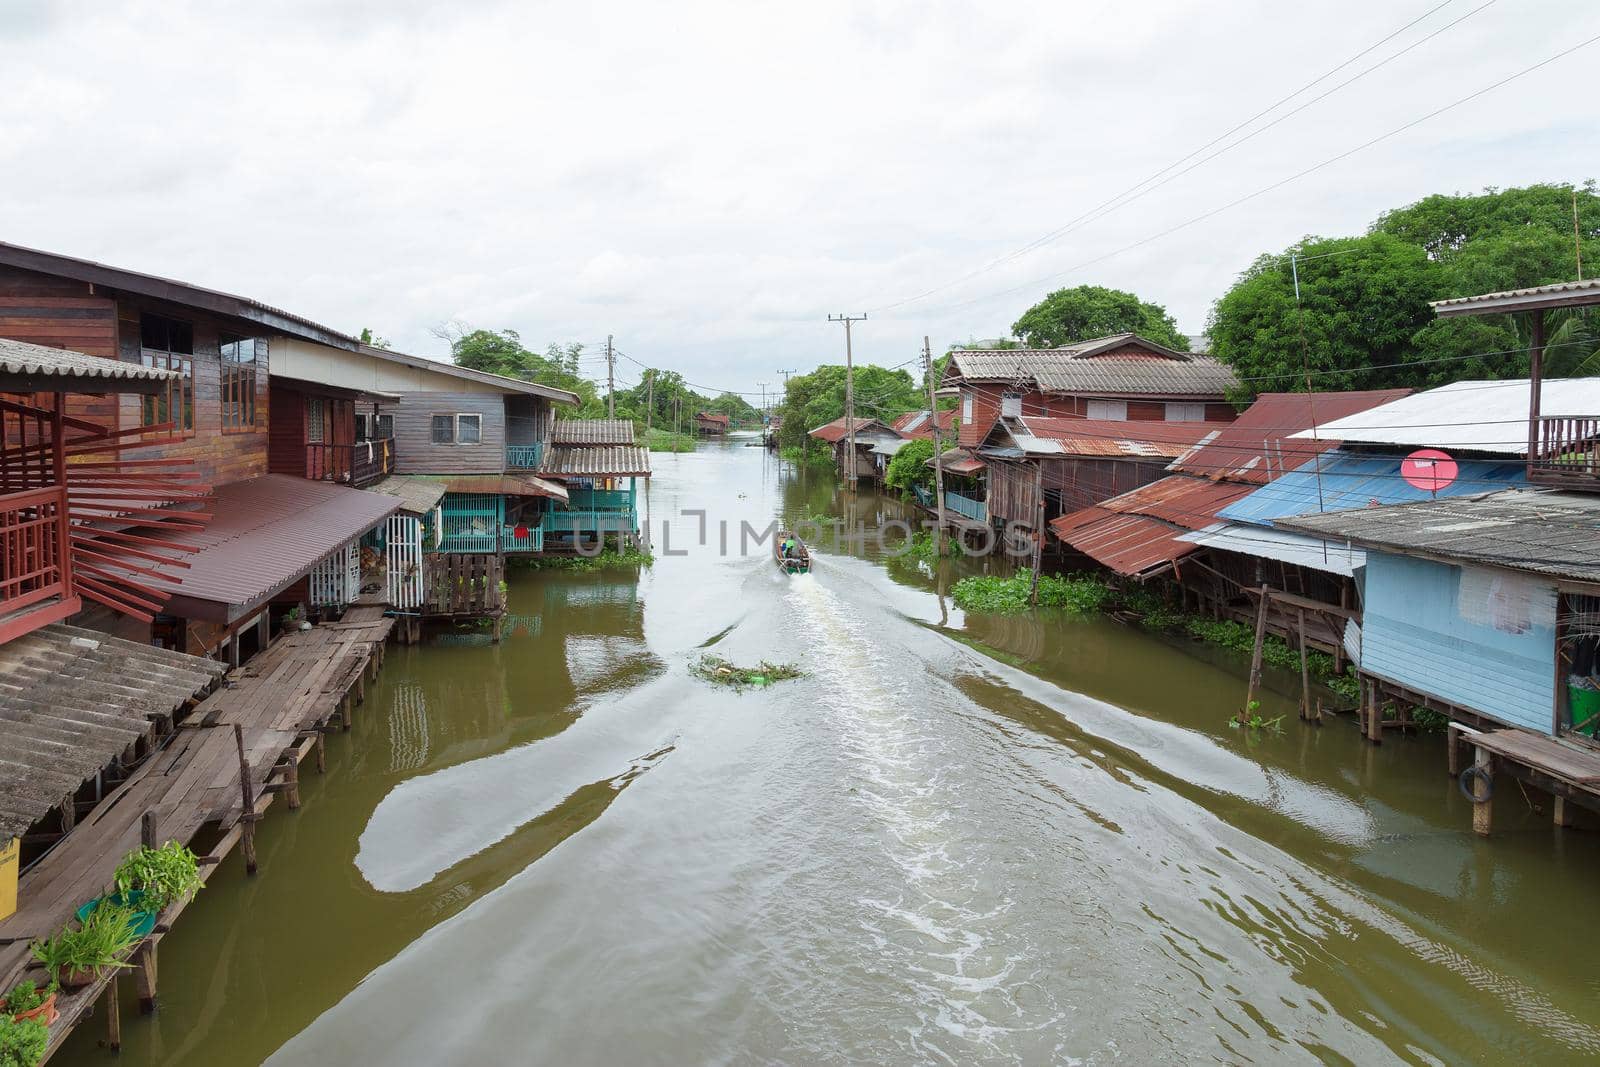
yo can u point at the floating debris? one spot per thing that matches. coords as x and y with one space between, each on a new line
719 671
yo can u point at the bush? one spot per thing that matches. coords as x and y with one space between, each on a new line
909 467
22 1044
985 594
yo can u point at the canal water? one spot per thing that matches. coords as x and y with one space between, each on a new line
955 840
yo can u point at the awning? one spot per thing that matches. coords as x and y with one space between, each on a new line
417 495
503 484
266 534
596 461
76 699
1333 557
959 461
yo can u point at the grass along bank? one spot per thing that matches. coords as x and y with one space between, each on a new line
606 558
660 440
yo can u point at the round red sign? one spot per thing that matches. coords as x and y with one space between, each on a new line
1428 469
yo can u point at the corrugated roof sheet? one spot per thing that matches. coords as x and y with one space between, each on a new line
1128 544
1253 448
1544 532
1040 436
917 423
1180 499
22 357
836 430
503 484
1561 294
1468 416
1357 480
596 461
1334 557
1087 367
888 446
74 699
592 432
712 416
265 534
959 461
417 494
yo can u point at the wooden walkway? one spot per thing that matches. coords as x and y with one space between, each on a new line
1568 771
220 769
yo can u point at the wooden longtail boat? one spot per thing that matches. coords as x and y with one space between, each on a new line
798 561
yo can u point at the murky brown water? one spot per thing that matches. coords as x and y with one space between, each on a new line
993 840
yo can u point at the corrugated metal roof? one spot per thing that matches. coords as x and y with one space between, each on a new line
1180 499
510 385
1468 416
503 484
836 430
22 357
1561 294
1334 557
265 534
1253 448
1041 436
1128 544
1357 480
1523 529
72 700
959 461
1088 367
596 461
417 494
592 432
712 416
889 446
917 423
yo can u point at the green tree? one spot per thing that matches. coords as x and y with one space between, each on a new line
1090 311
367 337
503 353
811 400
909 467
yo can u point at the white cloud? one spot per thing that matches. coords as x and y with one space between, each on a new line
708 181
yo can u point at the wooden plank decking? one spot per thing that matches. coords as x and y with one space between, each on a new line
277 708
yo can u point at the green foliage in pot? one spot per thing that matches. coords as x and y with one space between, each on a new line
25 996
168 875
100 942
22 1044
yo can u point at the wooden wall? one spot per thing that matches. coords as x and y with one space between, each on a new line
52 311
415 452
1082 482
529 419
287 433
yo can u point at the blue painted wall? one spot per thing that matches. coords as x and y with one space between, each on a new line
1478 637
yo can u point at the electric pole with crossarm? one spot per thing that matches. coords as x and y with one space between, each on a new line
849 395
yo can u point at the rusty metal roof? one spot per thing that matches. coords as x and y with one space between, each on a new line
265 535
836 431
712 416
918 424
1129 544
1256 448
22 357
504 484
959 461
74 699
1182 500
1039 436
592 432
596 461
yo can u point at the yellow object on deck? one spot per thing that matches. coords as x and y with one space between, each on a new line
9 857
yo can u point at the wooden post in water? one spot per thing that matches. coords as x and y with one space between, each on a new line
1306 711
1483 792
108 1000
938 455
247 818
144 962
1255 657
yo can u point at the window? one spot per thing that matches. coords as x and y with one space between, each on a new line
239 358
370 427
1011 405
457 429
1186 412
1108 409
966 408
316 419
168 344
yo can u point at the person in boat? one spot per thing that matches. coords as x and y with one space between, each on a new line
788 548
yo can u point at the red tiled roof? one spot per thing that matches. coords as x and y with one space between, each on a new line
1253 448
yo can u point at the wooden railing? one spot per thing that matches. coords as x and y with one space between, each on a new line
1566 451
35 566
356 464
460 584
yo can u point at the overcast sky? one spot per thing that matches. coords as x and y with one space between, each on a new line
709 181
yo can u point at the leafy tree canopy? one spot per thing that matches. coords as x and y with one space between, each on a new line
909 467
811 400
1089 311
503 353
1364 300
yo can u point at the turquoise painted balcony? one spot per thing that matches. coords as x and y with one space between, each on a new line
594 511
525 457
966 507
532 539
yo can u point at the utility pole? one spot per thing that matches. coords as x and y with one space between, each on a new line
611 380
763 402
938 452
849 394
649 403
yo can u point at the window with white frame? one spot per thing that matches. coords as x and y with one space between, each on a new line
1011 405
1186 412
1108 409
457 429
966 408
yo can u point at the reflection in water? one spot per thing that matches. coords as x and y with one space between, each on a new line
956 840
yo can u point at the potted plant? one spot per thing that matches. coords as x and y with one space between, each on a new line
153 879
28 1001
22 1042
102 941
